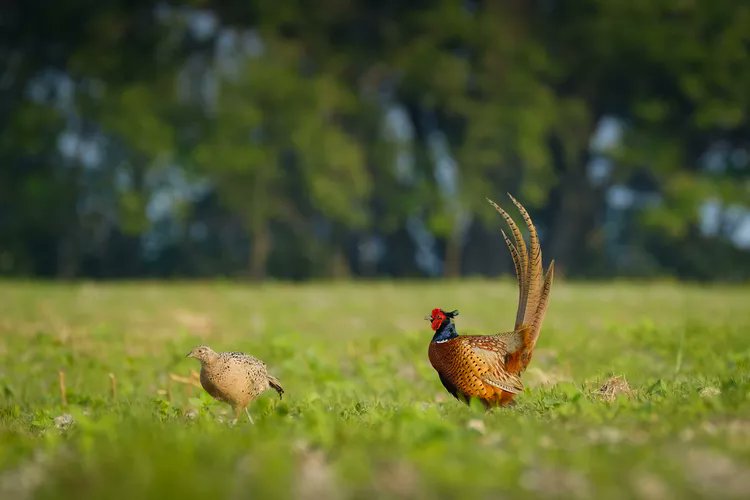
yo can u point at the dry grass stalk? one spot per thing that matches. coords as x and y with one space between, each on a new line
613 387
193 380
113 386
63 391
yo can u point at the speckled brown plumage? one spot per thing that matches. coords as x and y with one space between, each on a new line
234 377
488 367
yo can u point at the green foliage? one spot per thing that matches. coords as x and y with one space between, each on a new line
273 116
281 110
136 114
364 414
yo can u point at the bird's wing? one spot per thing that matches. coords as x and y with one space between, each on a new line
487 355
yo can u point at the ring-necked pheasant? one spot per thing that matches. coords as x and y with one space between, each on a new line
234 377
488 367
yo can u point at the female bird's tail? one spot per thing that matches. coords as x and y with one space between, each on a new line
276 385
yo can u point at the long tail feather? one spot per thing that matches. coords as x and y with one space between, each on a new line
541 308
534 266
519 267
533 287
514 255
520 260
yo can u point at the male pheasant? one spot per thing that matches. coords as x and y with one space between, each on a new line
488 367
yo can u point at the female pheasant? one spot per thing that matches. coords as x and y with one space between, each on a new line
234 377
488 367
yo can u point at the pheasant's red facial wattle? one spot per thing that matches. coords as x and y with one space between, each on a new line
437 317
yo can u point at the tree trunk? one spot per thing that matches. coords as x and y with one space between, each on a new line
340 269
574 206
67 255
68 244
572 225
260 248
453 254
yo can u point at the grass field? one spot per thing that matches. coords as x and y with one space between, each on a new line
364 414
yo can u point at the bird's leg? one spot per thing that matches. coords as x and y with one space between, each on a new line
248 416
237 410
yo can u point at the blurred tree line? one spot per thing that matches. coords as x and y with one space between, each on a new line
338 138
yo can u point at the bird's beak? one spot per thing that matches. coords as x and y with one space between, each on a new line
428 318
189 355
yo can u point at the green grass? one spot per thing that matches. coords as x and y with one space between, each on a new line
364 414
